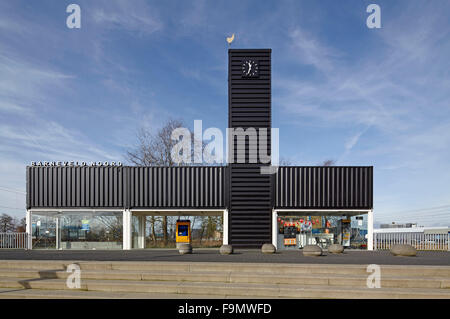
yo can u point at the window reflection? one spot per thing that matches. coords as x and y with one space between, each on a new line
99 230
296 231
77 230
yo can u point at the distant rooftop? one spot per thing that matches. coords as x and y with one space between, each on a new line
415 229
395 225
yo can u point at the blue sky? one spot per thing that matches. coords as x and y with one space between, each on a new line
341 91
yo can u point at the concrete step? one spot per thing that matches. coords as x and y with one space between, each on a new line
234 277
199 267
228 289
14 293
240 280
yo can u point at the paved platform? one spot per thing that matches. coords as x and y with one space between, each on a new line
438 258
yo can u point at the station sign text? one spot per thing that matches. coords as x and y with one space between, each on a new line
73 163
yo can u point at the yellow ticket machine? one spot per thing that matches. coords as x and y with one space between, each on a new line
183 232
346 232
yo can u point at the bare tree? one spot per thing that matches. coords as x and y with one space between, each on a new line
153 221
329 162
154 149
8 223
285 161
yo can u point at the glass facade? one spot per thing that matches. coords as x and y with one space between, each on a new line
206 231
91 230
43 226
77 230
104 230
295 232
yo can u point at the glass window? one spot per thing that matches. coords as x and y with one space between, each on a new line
295 231
77 230
91 230
43 232
206 231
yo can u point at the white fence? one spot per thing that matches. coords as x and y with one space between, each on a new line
420 241
13 240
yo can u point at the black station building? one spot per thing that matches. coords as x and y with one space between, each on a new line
105 206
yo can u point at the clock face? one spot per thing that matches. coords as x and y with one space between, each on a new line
250 68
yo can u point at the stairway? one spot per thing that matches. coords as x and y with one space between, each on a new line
201 280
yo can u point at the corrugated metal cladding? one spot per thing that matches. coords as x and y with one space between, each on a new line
324 187
249 99
250 205
126 187
295 187
55 187
186 187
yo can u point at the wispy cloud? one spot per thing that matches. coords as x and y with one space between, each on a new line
353 140
50 140
311 51
136 16
8 107
20 78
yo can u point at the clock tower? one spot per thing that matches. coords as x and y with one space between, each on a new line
249 105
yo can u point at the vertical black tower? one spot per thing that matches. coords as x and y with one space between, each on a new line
249 104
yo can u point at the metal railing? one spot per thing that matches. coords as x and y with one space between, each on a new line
13 240
420 241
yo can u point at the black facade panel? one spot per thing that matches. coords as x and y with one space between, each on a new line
75 187
250 206
327 187
177 187
126 187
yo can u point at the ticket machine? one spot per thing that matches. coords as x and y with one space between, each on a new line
346 231
290 235
183 234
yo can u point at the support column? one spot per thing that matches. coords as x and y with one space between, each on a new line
274 228
370 230
29 229
126 229
58 237
225 227
142 226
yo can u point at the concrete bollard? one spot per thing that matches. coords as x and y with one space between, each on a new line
336 249
185 249
226 250
268 249
312 250
403 250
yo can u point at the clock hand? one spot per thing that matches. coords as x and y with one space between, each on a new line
249 67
